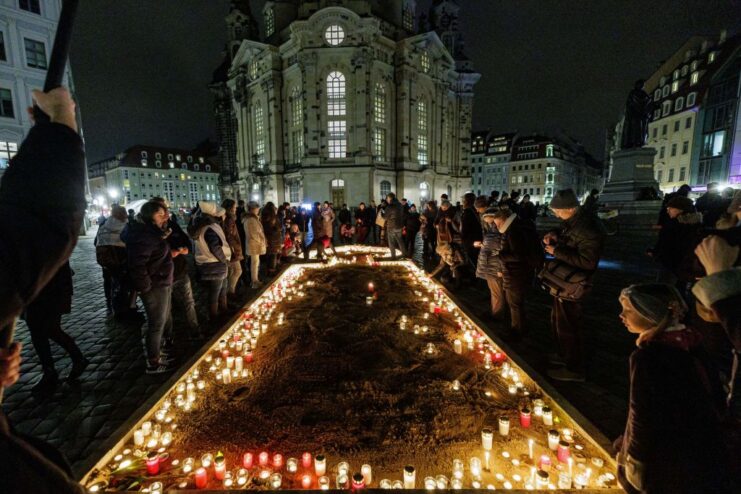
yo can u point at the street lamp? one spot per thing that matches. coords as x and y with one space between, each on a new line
113 193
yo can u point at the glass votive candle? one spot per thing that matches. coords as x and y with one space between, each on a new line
343 468
409 477
457 469
541 479
201 479
547 416
442 481
397 484
503 426
306 481
456 484
206 460
155 488
367 472
430 483
278 461
242 475
138 438
553 439
343 482
219 467
247 460
276 480
562 452
188 464
320 465
323 482
487 438
263 458
475 466
306 460
525 417
153 463
358 482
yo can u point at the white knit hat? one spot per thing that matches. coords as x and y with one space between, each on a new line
212 209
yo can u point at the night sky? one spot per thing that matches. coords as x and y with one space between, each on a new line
141 68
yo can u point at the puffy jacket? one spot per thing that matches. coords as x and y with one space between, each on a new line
580 241
178 239
470 228
212 249
256 244
489 264
148 254
394 216
521 253
109 233
676 243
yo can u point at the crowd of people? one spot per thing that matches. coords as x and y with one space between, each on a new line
682 406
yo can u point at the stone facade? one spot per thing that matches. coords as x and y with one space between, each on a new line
342 101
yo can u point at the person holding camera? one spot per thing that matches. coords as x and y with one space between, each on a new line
576 249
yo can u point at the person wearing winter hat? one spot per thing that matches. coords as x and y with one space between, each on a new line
577 245
673 438
212 253
678 237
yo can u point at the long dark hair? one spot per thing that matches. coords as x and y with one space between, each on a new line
269 214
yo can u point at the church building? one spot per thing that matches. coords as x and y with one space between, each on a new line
344 100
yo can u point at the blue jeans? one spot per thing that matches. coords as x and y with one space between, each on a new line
157 305
395 240
217 290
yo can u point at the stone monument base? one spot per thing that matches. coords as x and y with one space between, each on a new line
632 174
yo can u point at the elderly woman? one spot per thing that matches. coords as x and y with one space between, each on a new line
672 440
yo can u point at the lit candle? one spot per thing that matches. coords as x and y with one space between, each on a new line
206 460
275 480
277 461
306 481
371 287
147 428
191 392
306 460
242 476
367 473
320 465
457 469
544 463
525 417
458 346
503 426
368 300
153 463
166 438
358 481
564 480
563 454
188 464
343 481
487 437
247 460
456 484
138 437
538 407
547 416
571 467
432 307
155 488
430 483
239 363
263 458
553 439
201 478
226 376
323 483
541 479
229 362
475 466
219 466
530 444
343 468
442 482
397 484
512 388
409 477
487 457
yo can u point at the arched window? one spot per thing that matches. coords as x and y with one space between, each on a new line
379 117
424 190
549 151
269 23
293 192
408 18
259 135
422 137
297 125
425 61
334 35
385 188
336 113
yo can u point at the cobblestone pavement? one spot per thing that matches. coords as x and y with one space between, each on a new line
79 417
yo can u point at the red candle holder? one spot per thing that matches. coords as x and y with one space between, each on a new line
248 357
264 458
306 460
306 481
563 453
278 461
247 460
153 463
358 482
525 417
201 478
544 463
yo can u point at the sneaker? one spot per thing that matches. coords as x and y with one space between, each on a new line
167 357
47 384
564 374
160 367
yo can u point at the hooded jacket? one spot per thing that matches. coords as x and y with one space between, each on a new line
231 231
148 254
489 264
255 236
212 251
580 242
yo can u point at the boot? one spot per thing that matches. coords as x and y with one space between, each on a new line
48 382
78 367
213 311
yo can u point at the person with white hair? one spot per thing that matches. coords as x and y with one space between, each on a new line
212 253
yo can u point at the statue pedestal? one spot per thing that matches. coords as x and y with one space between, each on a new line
632 173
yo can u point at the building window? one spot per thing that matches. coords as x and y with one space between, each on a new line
422 138
425 62
158 156
688 123
336 113
259 135
679 104
30 6
6 103
35 54
196 167
208 168
190 159
675 86
694 77
269 23
379 104
711 56
168 190
682 174
408 18
193 190
297 108
385 188
661 152
665 91
334 35
293 192
674 151
693 65
298 145
664 128
655 132
666 109
657 94
3 56
144 162
659 176
549 151
691 99
676 126
8 149
685 69
685 147
671 175
379 143
158 164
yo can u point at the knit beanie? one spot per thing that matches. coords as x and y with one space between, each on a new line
490 211
564 199
682 203
212 209
654 301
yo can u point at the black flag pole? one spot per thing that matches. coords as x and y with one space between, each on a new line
54 78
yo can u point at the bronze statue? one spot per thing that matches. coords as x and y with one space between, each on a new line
638 110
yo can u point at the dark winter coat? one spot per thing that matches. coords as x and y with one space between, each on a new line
56 297
489 264
520 255
42 204
412 224
676 244
395 216
231 232
712 206
345 216
580 242
273 236
209 271
527 212
431 215
362 217
149 257
721 293
470 228
673 441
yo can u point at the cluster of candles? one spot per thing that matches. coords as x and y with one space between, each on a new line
561 465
